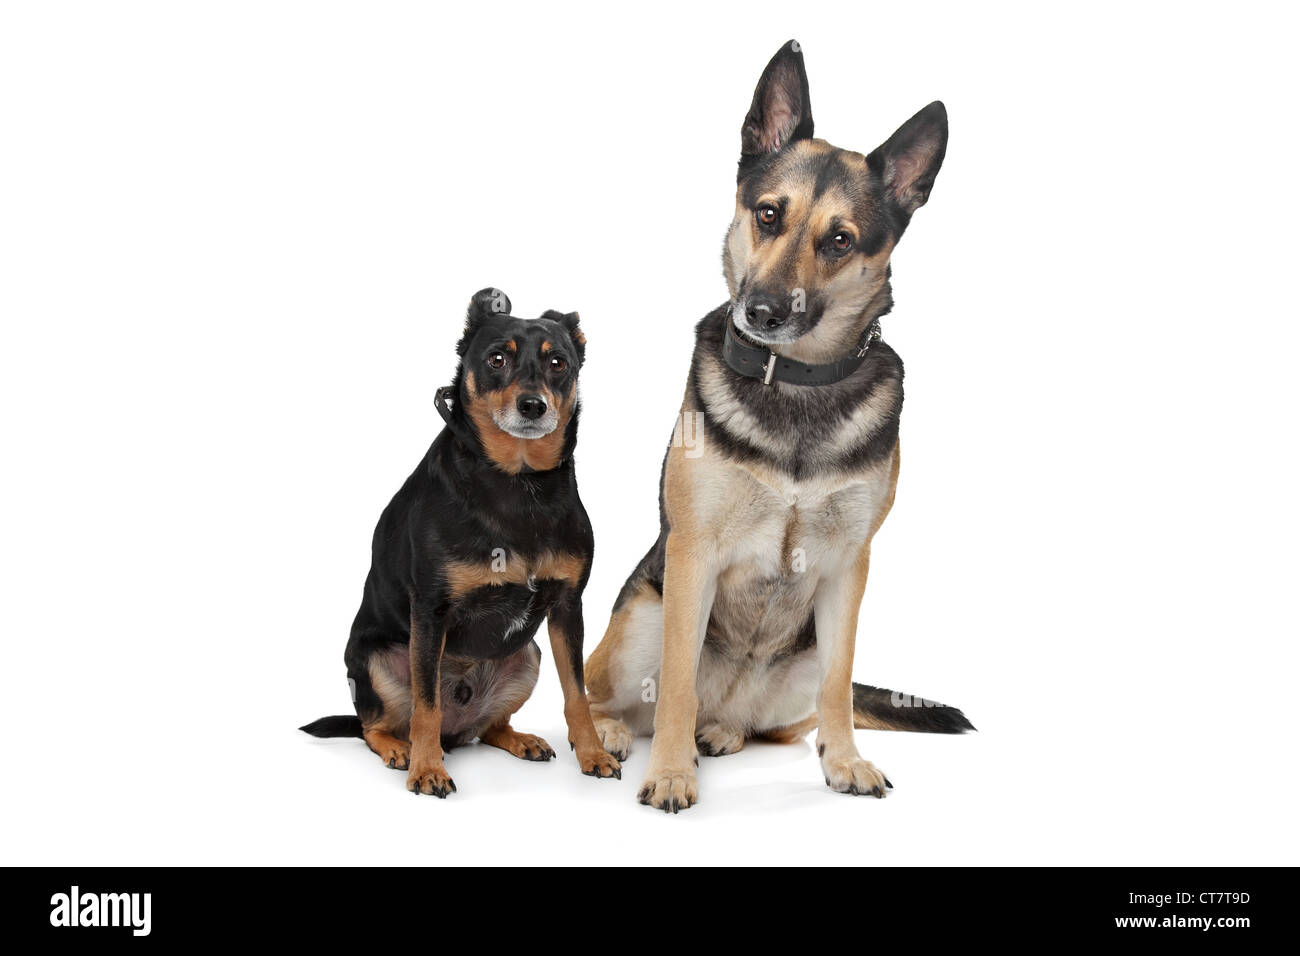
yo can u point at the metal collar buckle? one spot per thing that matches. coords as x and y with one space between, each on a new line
873 336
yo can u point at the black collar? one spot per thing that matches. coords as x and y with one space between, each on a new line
755 362
456 428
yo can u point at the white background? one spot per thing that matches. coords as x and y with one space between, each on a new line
236 244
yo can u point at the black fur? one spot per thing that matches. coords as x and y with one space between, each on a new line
458 505
344 725
904 712
805 417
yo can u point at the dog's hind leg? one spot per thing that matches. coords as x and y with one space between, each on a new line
623 671
716 740
789 733
383 698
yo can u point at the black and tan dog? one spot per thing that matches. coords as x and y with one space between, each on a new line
484 540
741 619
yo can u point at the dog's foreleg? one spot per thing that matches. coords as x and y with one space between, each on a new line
428 638
564 625
689 587
835 609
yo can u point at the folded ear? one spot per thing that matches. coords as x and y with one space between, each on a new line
781 112
909 161
570 322
486 302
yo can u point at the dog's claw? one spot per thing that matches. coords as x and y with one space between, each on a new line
856 777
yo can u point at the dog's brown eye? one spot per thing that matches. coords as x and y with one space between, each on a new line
497 360
558 364
767 216
841 242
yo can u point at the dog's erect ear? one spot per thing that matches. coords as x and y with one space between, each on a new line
781 112
909 160
486 303
570 322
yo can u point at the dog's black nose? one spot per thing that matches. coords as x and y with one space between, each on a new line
531 406
766 312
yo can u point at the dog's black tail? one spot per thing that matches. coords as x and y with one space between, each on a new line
875 708
340 726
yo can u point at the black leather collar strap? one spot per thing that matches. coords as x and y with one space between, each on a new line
755 362
462 435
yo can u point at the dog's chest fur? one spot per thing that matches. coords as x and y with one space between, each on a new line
810 434
783 487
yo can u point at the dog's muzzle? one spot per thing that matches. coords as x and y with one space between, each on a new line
531 417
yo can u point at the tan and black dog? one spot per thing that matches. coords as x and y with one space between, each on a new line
485 540
741 620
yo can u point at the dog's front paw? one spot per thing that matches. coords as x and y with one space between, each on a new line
855 776
669 790
597 762
431 779
715 741
523 746
614 736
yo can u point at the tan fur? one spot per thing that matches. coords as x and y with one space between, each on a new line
711 504
763 566
392 751
464 576
524 746
687 596
395 692
591 753
717 510
427 773
852 284
507 452
600 681
791 732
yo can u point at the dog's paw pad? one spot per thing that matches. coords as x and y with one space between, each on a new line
670 790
